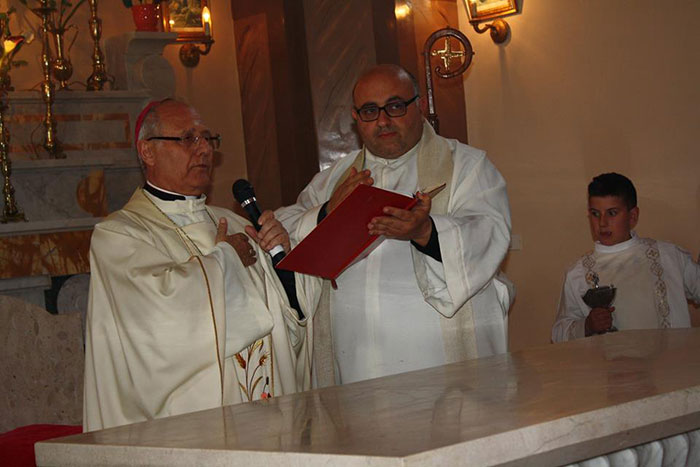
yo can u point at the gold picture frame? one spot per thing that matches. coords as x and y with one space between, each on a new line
185 18
483 10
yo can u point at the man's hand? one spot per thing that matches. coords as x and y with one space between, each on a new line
405 225
599 320
271 234
345 188
239 241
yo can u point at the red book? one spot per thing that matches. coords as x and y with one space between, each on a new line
343 237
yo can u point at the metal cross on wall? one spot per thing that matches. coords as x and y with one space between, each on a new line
447 55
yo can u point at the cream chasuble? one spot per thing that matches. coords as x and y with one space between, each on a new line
177 324
654 280
398 309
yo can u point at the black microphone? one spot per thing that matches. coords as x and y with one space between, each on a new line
245 195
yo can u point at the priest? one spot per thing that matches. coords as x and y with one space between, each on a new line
431 293
185 313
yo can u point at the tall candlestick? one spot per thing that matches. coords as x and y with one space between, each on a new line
10 212
99 75
51 143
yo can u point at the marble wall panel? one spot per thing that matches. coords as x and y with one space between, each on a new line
386 44
88 132
88 125
51 193
56 254
341 45
294 108
280 134
258 107
91 195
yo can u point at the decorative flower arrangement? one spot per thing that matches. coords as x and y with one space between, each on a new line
11 45
65 9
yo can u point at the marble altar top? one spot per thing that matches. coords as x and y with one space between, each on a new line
545 405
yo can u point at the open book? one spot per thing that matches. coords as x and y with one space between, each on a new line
343 238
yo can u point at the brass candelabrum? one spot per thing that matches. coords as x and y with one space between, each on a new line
51 142
10 212
99 75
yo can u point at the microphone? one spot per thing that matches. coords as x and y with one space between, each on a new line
245 195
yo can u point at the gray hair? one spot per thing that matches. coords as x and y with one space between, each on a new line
151 125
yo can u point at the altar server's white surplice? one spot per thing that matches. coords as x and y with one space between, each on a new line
177 324
653 279
398 309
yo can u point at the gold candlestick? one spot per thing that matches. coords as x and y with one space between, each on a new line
51 143
99 76
10 212
10 45
61 66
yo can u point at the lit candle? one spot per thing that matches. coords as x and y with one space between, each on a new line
206 21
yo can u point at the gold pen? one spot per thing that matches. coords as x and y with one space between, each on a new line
432 192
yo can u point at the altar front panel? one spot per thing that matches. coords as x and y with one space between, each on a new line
548 405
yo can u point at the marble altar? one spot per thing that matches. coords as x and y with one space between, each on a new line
547 405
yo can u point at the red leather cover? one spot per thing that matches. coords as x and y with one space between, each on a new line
342 237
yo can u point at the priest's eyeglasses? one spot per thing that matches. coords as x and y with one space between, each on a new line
370 113
191 140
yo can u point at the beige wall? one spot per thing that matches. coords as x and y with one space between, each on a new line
212 86
592 87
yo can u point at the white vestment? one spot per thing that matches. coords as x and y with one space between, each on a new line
653 279
398 309
177 324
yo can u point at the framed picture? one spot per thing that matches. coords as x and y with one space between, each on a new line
482 10
185 18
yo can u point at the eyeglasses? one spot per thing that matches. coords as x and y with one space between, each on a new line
190 141
398 108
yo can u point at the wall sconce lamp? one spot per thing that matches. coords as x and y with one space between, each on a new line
484 10
190 52
402 10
